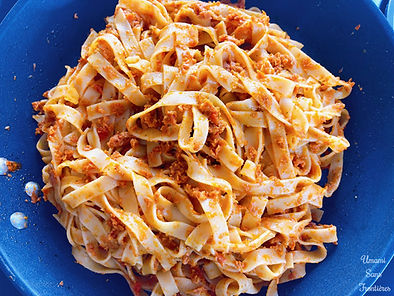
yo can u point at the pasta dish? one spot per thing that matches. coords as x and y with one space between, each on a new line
185 150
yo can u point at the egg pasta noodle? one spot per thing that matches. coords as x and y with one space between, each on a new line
185 150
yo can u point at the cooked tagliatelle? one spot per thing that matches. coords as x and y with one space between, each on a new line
185 149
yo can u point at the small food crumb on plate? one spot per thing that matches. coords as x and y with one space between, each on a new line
61 284
7 128
18 220
76 16
357 27
12 166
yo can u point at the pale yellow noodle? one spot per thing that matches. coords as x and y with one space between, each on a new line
184 150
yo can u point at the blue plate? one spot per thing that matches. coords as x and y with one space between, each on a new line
45 33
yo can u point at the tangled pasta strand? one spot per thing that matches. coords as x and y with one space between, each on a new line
184 150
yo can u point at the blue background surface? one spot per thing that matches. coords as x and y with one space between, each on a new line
56 252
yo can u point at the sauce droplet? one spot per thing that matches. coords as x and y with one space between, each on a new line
3 166
32 188
18 220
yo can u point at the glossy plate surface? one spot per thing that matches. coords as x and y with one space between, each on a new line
45 32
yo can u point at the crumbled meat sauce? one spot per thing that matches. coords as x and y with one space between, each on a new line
110 29
133 18
89 168
299 161
177 170
212 112
201 194
44 125
233 21
226 37
118 108
104 127
216 125
73 139
260 176
337 107
38 106
119 140
215 144
201 9
315 147
46 191
12 166
234 67
244 34
200 291
187 61
68 154
305 237
292 242
276 243
35 198
163 147
308 64
169 242
169 119
152 119
61 153
251 153
134 143
117 227
197 274
239 265
280 61
264 67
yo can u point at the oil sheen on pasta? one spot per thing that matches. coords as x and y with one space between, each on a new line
184 150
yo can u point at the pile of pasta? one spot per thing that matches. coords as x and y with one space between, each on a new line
185 150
